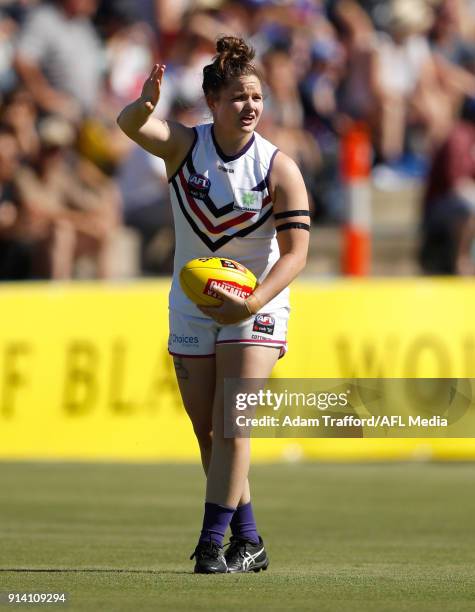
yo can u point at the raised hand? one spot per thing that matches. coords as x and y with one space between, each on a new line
151 88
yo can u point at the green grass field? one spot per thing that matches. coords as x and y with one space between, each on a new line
340 537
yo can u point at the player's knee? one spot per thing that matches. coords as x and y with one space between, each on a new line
204 436
233 445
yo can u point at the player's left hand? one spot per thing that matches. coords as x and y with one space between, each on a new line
232 310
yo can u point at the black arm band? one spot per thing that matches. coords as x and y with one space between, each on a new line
292 213
286 226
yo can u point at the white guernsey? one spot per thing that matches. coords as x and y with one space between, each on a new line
222 207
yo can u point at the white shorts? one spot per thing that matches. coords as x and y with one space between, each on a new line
198 336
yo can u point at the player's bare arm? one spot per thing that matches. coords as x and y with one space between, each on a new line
292 221
166 139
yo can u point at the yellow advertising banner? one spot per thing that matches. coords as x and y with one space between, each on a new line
85 372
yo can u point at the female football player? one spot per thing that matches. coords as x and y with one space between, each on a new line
234 195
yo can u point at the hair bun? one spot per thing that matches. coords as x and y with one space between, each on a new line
234 48
232 60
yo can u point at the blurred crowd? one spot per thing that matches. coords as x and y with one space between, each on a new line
73 187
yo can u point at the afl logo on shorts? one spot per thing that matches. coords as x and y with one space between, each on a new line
198 186
264 324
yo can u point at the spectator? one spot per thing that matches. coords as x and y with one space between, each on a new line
59 57
357 37
9 162
190 53
320 87
66 211
15 254
129 52
8 30
143 185
324 120
283 102
448 224
20 113
453 54
405 85
283 119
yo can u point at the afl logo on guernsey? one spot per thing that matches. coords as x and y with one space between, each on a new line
198 186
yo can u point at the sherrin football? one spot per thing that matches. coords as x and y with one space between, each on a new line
200 276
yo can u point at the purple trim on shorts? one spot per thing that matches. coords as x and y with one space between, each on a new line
192 356
280 342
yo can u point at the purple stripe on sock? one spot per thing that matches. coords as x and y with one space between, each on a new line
243 524
215 522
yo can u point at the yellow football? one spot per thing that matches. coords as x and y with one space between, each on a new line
200 276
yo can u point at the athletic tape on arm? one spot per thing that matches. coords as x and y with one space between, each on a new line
293 225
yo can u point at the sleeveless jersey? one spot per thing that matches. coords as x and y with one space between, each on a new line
222 207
